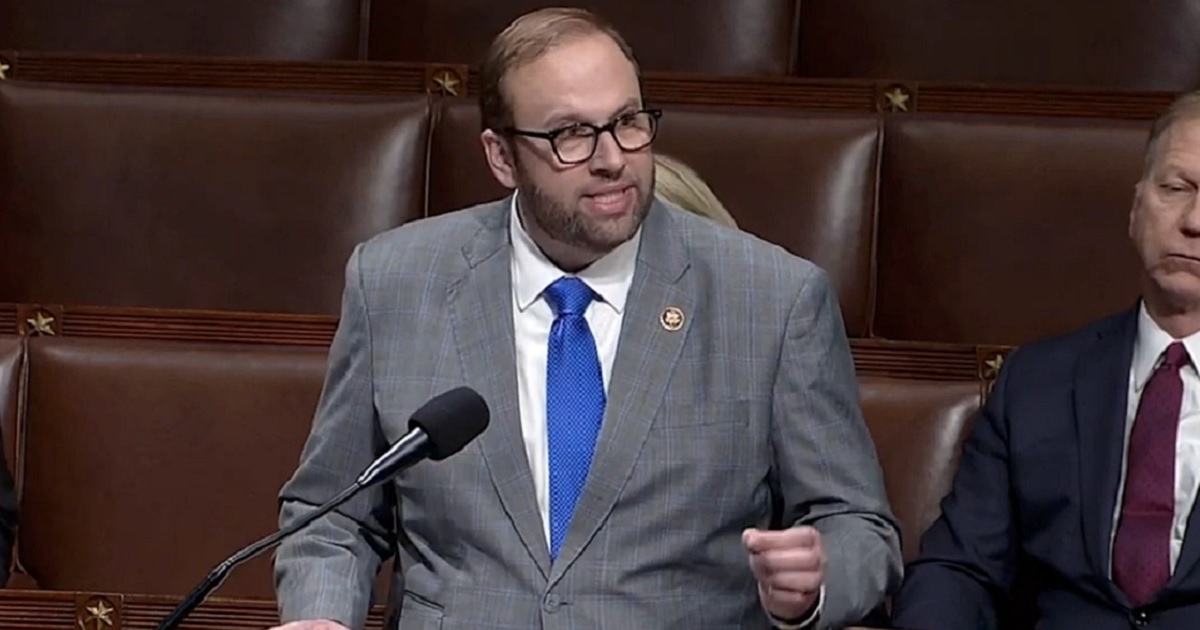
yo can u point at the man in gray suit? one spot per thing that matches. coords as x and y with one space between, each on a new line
675 437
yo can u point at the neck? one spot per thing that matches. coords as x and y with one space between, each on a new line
569 258
1177 320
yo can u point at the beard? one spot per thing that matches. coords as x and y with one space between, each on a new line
568 224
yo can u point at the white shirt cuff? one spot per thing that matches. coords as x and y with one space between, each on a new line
808 621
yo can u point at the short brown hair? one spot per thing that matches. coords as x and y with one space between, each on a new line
526 39
1185 107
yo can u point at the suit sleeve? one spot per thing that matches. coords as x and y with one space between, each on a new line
327 570
968 556
827 470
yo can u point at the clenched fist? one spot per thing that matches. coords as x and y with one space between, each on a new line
790 567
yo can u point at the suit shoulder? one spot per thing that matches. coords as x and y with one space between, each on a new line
428 238
1061 351
739 253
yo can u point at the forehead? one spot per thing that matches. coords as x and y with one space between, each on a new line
1182 140
585 78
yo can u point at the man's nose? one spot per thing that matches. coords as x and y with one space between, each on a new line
609 158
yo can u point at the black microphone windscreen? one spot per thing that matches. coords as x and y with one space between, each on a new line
451 420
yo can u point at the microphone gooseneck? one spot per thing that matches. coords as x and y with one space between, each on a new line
439 429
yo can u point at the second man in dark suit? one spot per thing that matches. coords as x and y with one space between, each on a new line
1079 480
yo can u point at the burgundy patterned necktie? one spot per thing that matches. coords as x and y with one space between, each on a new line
1142 549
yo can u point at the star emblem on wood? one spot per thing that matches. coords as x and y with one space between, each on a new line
897 99
41 324
448 83
991 367
99 615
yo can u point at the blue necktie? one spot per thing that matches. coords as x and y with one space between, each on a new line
574 401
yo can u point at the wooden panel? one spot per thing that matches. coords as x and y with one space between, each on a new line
57 610
302 330
741 37
341 77
1135 44
662 88
271 29
874 357
8 319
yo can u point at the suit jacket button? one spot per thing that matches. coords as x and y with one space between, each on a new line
551 603
1140 618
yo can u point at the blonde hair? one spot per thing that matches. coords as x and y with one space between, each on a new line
525 40
1185 107
679 184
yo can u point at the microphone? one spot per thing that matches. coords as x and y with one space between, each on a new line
439 429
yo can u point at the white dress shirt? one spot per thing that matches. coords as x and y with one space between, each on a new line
610 277
1148 349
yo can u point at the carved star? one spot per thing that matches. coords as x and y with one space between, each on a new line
897 99
448 82
4 68
993 366
41 324
99 615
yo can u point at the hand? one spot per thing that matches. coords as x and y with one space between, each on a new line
315 624
790 568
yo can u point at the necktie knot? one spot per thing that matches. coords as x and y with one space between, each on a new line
1176 356
569 296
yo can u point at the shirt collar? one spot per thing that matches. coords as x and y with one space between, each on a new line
1152 342
610 276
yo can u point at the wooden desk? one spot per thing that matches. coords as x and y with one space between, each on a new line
62 610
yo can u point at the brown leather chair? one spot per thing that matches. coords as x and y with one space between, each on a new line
202 199
1003 230
1125 44
147 463
725 37
802 180
12 361
918 428
280 29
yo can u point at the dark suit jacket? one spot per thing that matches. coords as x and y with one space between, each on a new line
8 517
1034 495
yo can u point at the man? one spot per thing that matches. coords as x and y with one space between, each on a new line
1080 475
663 393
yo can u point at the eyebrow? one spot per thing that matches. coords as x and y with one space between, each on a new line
563 118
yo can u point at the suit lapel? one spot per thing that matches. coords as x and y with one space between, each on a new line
1101 395
646 355
481 308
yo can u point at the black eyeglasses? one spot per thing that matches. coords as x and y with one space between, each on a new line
576 143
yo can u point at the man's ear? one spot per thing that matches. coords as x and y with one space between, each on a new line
498 152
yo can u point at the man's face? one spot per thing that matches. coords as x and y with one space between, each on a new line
1165 220
595 205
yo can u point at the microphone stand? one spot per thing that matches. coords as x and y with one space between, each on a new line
407 451
222 571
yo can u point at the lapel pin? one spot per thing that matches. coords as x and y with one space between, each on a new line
671 318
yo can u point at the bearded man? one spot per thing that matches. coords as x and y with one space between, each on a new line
675 436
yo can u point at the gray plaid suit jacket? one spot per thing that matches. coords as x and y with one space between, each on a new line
747 416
